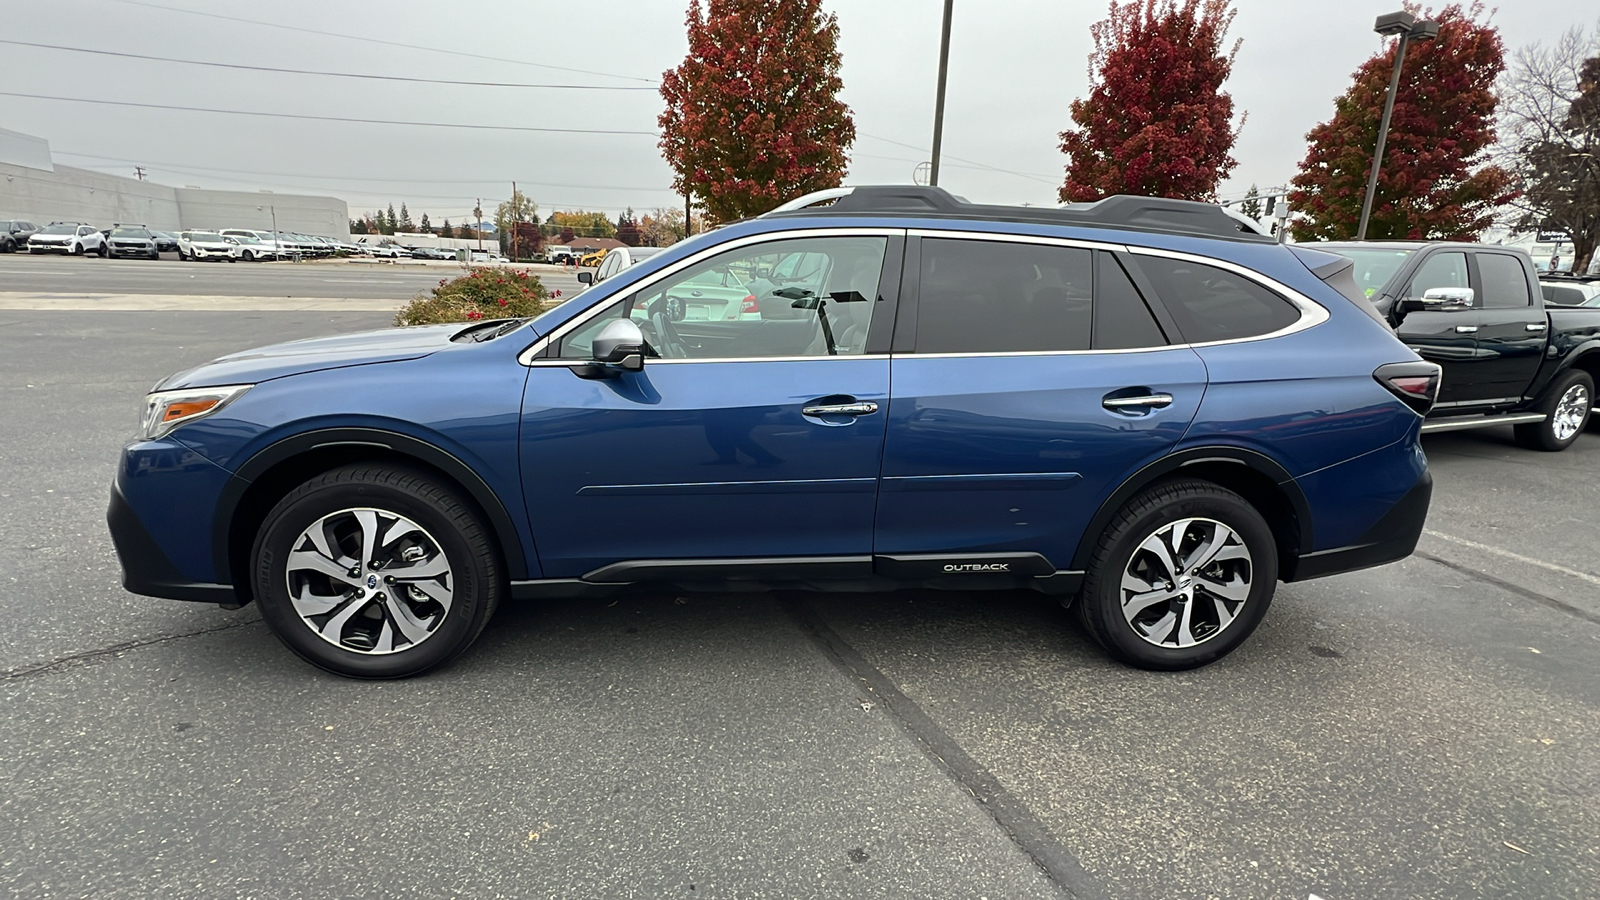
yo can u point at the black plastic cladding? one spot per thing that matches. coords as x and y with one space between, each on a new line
1154 214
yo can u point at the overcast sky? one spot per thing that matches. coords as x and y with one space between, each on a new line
1015 65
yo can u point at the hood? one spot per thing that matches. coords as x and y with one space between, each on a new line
313 355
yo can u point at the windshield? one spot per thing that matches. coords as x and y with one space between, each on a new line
1373 268
61 229
130 232
210 236
245 238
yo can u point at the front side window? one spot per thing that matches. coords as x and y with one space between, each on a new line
980 296
1442 270
797 297
1209 303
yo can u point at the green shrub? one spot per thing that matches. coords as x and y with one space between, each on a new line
483 294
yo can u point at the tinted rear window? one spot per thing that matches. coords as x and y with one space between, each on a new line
995 297
1213 304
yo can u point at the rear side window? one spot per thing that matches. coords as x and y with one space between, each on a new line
1122 321
1505 283
1212 304
981 296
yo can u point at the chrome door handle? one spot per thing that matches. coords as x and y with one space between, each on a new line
863 408
1149 401
1466 329
1534 326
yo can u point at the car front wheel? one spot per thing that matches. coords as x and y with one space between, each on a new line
374 571
1566 408
1180 578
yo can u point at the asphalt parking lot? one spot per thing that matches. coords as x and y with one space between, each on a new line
1427 729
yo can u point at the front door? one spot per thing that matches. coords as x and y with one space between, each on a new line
1038 378
751 434
1448 337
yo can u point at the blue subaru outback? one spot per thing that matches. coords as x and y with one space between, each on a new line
1140 406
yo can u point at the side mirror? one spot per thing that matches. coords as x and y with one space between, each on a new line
1440 299
586 278
618 348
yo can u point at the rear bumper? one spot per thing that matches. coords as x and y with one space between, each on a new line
1391 538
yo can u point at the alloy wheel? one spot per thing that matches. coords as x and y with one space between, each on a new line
1186 583
369 581
1570 412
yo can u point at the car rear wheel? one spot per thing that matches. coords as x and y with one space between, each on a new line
1182 576
1566 406
374 571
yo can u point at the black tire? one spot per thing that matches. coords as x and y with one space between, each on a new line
1100 603
77 250
8 246
1556 432
477 579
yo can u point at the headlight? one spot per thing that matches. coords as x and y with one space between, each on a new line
166 410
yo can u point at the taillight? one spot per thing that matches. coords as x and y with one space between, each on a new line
1415 383
750 305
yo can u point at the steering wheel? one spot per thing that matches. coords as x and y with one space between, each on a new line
671 344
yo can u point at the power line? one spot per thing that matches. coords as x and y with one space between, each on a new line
1035 177
271 115
351 37
222 65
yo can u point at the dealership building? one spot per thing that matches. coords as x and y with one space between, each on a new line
33 187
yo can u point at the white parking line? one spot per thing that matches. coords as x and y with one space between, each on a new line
1585 576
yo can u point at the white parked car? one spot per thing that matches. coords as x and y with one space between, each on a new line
390 251
207 245
71 238
617 260
252 246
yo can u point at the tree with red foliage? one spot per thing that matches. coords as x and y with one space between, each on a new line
1156 122
628 229
568 235
530 240
1435 183
753 116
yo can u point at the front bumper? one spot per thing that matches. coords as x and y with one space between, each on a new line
163 503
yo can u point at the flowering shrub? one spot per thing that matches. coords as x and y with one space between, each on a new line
482 294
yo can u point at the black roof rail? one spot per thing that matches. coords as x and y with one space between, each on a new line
1155 214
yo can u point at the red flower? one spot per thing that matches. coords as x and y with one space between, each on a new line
474 315
502 301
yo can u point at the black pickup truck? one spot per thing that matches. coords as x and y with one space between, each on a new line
1477 310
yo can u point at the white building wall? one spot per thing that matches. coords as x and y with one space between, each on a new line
326 216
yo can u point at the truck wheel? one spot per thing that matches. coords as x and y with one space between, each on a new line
375 571
1566 408
1181 577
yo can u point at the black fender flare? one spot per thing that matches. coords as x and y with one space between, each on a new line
391 443
1190 457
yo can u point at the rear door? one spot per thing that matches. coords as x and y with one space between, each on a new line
1029 377
1511 334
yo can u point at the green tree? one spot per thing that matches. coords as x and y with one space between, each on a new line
518 209
446 231
1436 182
405 224
391 221
1252 203
427 228
583 223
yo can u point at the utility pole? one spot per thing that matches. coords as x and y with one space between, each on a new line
516 219
138 172
688 215
477 213
938 103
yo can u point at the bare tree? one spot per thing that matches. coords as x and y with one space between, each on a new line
1550 109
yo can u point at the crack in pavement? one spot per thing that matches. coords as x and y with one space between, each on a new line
62 663
1519 590
1015 820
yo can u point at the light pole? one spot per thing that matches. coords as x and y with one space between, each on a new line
1408 28
938 102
